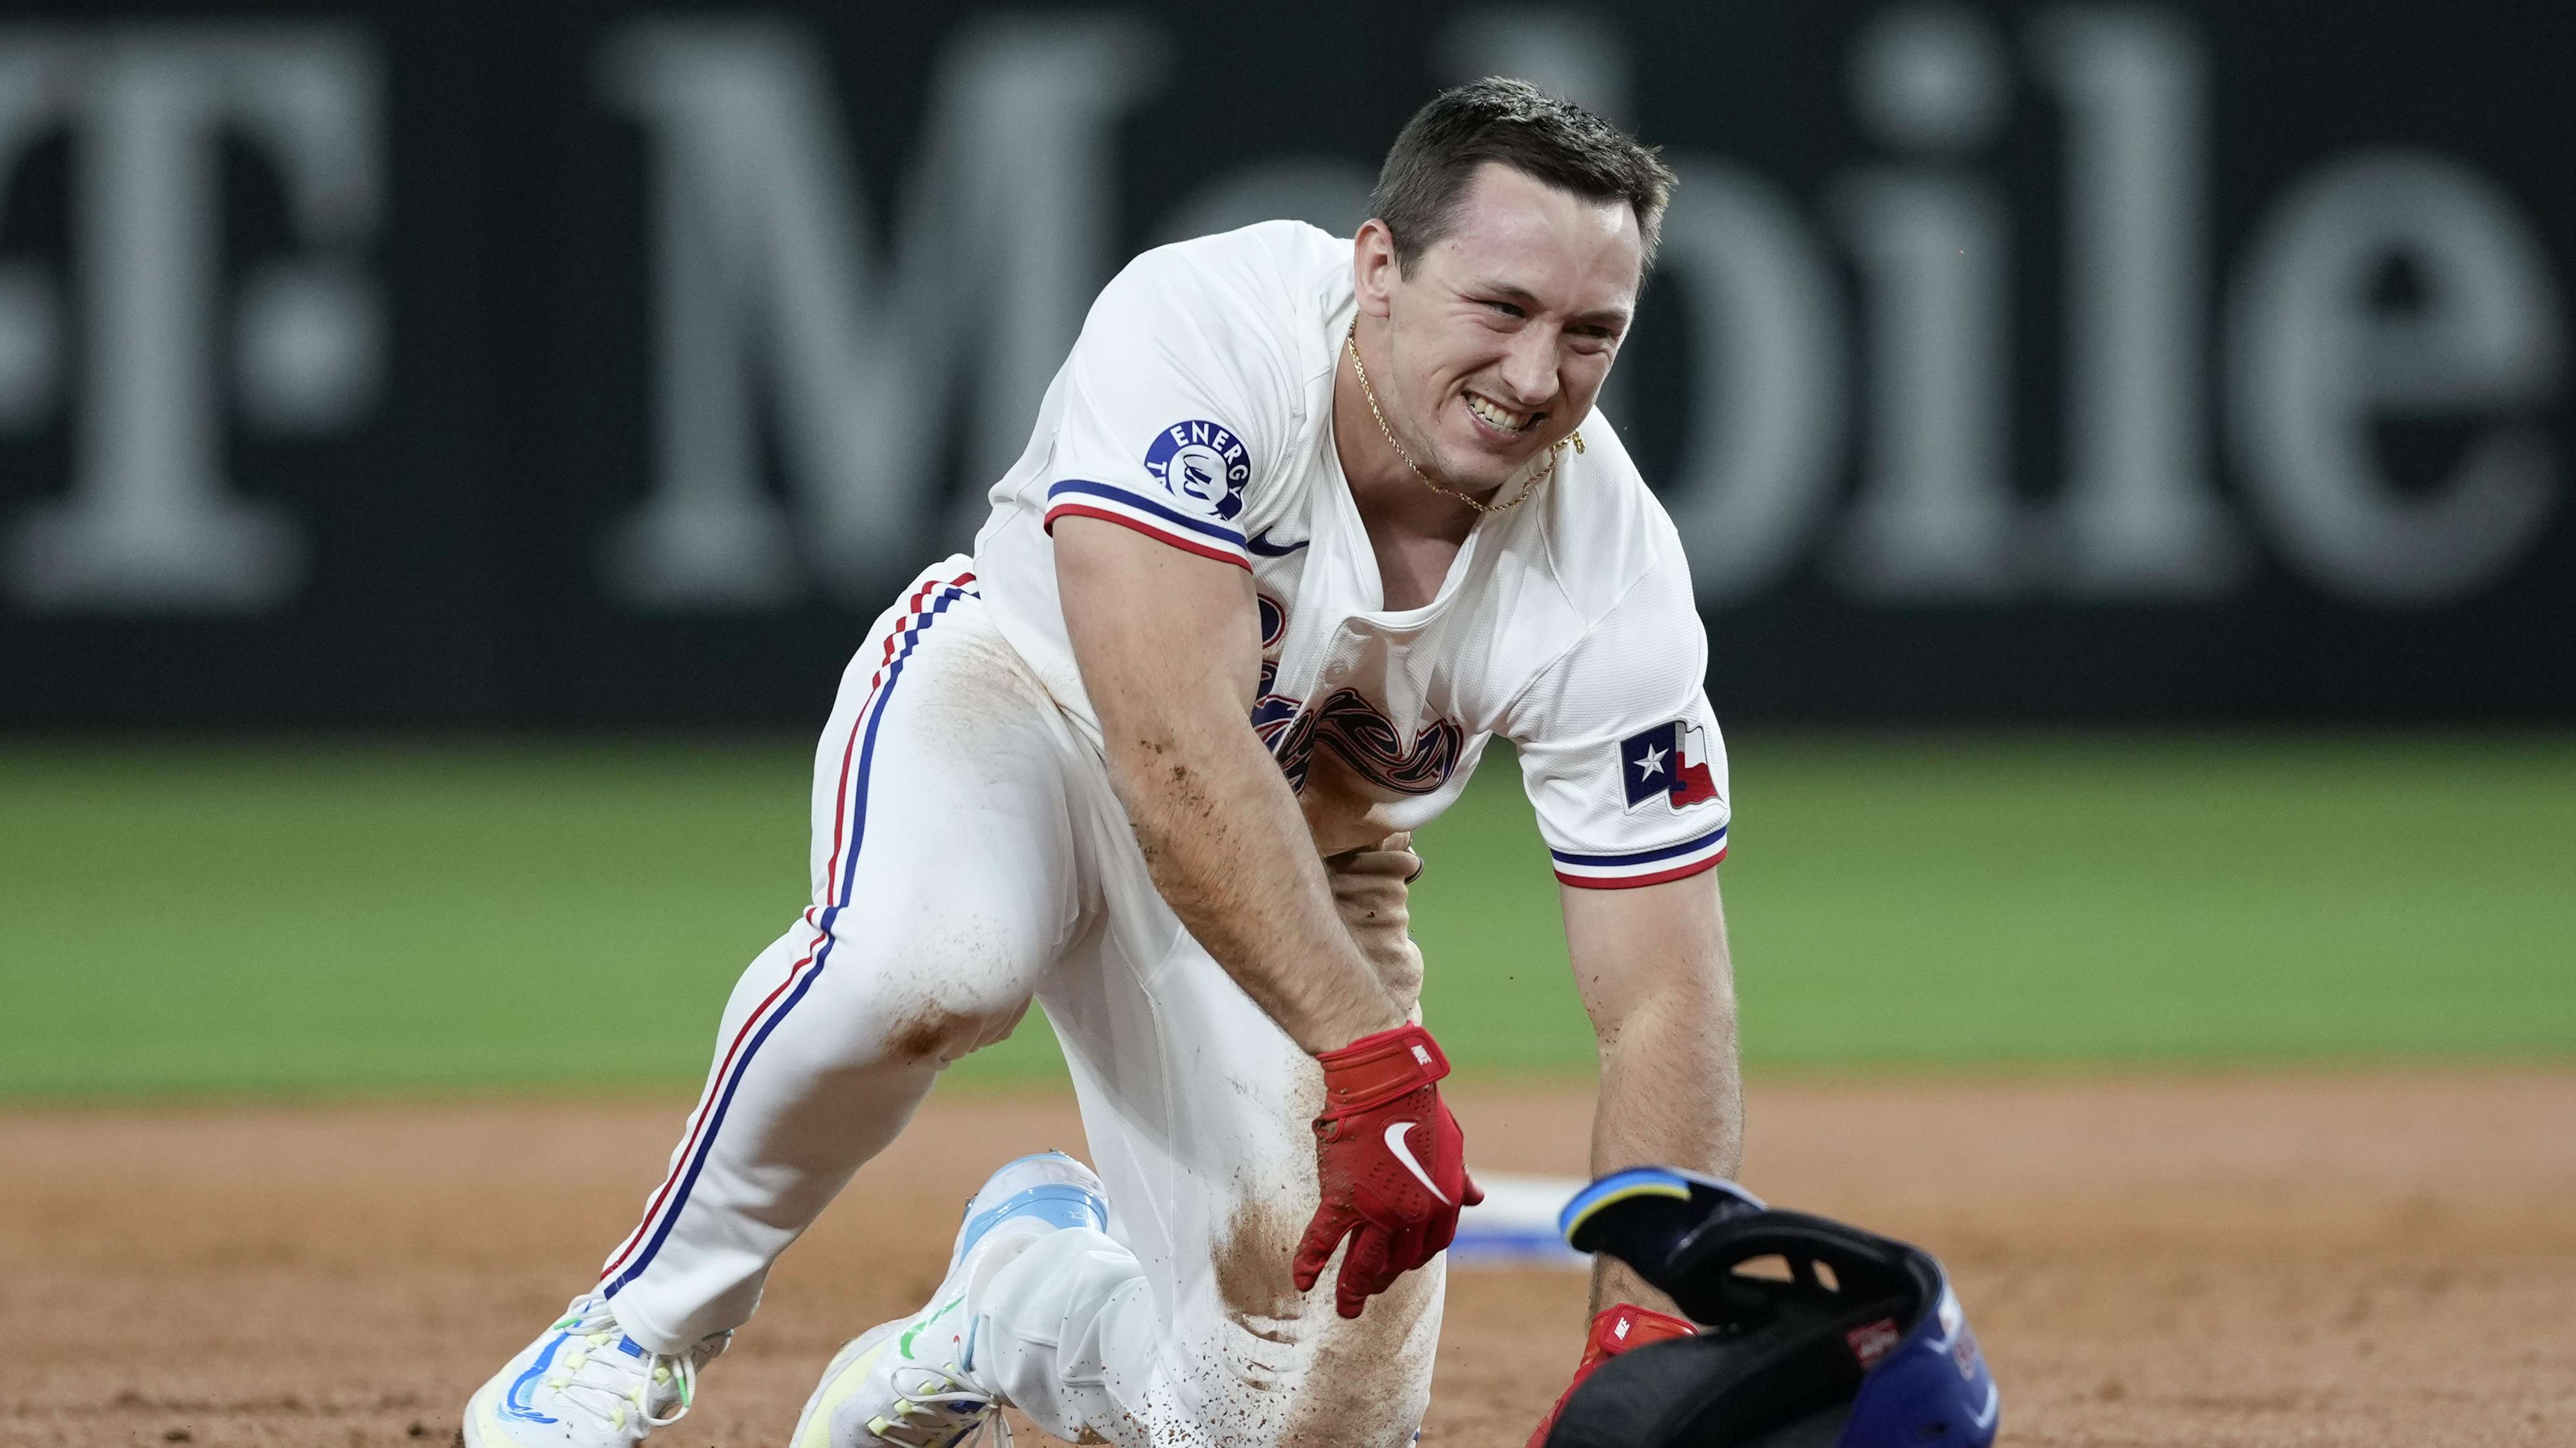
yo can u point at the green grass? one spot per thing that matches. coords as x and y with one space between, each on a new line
403 917
1974 901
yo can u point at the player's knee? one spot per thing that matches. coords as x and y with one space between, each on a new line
924 1005
932 981
945 1030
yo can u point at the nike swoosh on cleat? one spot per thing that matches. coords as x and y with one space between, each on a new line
903 1344
526 1412
1395 1144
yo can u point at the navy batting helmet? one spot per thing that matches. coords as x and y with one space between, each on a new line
1859 1343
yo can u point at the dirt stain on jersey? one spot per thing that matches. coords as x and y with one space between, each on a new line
1253 1270
1369 1380
1327 1382
935 1029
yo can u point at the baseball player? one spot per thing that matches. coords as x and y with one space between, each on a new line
1303 524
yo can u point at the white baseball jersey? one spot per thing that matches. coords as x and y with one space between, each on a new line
1196 408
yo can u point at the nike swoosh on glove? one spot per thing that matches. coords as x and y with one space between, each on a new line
1391 1162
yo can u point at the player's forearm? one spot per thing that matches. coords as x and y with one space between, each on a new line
1170 654
1653 966
1228 848
1672 1094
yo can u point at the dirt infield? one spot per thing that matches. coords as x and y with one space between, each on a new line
2364 1261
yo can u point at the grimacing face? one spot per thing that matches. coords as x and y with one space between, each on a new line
1500 340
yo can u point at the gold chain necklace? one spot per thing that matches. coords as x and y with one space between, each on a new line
1351 339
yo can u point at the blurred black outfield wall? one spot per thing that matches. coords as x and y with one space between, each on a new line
569 364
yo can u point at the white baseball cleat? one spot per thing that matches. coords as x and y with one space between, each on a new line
911 1383
585 1384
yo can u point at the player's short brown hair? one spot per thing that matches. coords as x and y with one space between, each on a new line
1511 121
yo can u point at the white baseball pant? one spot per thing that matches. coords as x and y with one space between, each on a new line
968 856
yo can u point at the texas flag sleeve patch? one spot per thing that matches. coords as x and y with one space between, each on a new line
1670 762
1663 770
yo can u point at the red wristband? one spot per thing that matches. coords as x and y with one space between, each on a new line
1374 1070
1617 1329
1614 1330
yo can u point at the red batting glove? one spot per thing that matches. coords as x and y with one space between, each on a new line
1614 1331
1391 1162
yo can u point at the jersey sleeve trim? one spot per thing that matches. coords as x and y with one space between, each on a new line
1646 867
1082 498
